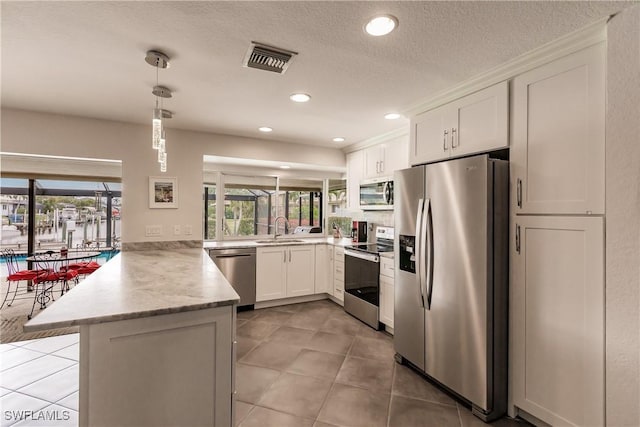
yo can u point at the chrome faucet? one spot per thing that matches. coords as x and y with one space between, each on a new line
275 225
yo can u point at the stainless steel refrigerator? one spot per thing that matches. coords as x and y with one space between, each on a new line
451 283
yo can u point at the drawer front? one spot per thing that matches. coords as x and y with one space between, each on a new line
386 267
338 270
339 254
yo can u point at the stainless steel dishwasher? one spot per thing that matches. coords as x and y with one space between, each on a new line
238 265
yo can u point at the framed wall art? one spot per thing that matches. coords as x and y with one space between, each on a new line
163 192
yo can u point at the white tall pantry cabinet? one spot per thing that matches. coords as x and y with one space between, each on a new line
557 154
557 246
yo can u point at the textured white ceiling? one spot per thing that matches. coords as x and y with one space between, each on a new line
87 59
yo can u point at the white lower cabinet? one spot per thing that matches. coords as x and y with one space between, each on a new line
271 273
284 271
557 319
338 273
192 350
324 279
387 289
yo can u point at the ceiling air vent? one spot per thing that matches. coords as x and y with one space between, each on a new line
268 58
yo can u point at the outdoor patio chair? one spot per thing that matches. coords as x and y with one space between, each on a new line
53 270
83 268
16 276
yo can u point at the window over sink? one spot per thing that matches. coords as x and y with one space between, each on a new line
250 205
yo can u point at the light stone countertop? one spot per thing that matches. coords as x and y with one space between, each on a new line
254 243
137 284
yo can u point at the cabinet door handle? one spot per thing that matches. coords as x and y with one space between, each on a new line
517 238
444 140
381 166
454 134
285 256
519 193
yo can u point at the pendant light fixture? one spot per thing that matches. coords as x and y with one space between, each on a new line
158 138
157 127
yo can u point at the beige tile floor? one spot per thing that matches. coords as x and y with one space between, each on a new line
298 365
314 365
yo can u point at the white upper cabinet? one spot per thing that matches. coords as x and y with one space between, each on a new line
355 173
480 121
383 159
430 139
396 155
374 161
557 155
473 124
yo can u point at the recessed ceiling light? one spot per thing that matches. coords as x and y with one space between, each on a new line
338 139
392 116
265 129
285 167
300 97
381 25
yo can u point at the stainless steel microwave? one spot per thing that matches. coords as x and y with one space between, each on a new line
376 194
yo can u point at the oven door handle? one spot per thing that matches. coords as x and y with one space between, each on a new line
362 255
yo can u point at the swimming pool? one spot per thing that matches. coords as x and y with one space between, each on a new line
22 264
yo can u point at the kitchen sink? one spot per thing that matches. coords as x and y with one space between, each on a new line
280 241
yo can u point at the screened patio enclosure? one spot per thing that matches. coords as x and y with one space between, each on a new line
251 205
39 214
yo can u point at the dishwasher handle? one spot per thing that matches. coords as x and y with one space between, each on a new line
232 255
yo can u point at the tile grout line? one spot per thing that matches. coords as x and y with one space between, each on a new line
39 379
459 415
393 380
333 383
60 400
4 371
36 397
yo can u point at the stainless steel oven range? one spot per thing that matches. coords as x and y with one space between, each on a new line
362 277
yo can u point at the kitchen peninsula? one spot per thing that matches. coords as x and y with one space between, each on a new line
156 340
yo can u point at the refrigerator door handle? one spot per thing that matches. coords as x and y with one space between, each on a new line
425 252
429 270
419 245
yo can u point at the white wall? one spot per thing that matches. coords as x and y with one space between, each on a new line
623 220
50 134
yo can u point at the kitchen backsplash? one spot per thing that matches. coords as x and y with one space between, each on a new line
376 217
